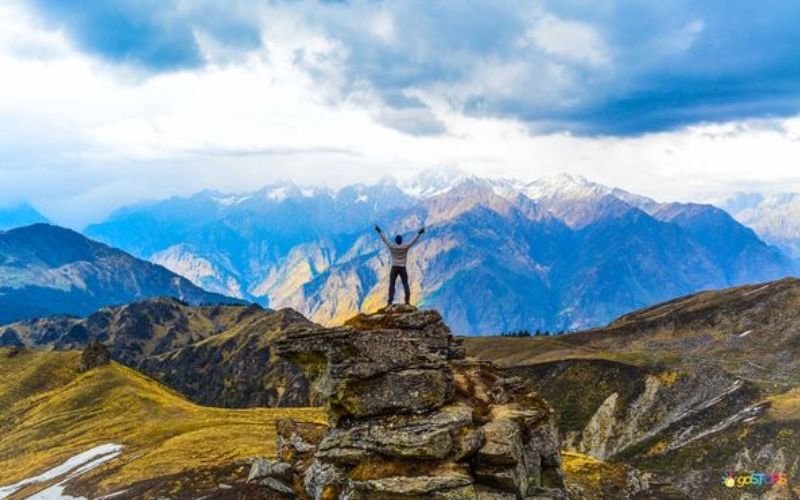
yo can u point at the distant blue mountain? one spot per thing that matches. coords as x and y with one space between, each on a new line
741 254
775 218
19 215
559 253
46 270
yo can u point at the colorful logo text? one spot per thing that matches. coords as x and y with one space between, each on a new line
742 480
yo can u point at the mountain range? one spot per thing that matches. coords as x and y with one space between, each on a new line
46 270
775 218
660 403
558 253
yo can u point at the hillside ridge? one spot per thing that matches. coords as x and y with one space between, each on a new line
218 355
168 444
49 270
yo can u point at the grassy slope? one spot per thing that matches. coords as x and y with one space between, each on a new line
683 336
746 331
51 412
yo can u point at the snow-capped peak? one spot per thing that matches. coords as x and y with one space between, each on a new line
565 186
577 188
230 200
432 182
278 194
281 191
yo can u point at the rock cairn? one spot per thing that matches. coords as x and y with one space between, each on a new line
411 417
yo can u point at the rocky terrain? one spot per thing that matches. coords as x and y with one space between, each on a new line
217 355
659 404
559 253
410 417
407 415
46 270
686 391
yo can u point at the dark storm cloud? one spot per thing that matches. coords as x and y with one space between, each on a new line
590 67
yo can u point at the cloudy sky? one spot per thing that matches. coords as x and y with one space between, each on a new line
106 102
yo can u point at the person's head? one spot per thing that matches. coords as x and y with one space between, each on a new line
398 239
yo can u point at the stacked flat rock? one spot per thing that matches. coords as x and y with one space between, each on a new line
411 417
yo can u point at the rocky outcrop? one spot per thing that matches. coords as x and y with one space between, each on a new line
96 354
14 351
411 417
10 338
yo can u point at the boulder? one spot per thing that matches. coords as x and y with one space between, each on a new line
277 486
14 351
398 317
411 417
466 443
402 391
391 478
395 361
425 437
520 454
323 481
298 441
94 355
264 468
420 487
502 443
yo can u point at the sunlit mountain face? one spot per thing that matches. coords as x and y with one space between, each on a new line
556 254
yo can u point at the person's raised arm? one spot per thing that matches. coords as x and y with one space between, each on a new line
416 237
383 236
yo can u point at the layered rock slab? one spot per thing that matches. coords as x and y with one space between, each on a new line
411 417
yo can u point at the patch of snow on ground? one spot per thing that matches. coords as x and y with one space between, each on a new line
112 495
755 291
74 466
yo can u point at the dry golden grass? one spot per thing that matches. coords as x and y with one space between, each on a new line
510 351
785 406
51 412
596 478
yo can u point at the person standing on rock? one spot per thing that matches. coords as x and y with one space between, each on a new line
399 253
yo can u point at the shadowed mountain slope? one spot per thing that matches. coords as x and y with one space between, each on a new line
216 355
47 269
